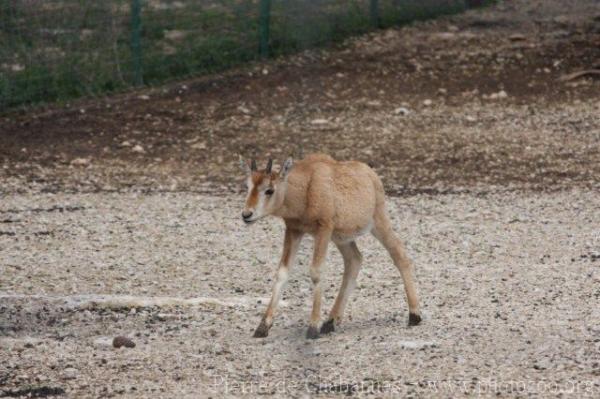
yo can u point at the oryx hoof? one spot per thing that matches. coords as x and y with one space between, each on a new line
414 319
327 327
262 330
312 332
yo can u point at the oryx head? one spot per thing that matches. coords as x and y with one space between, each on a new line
266 189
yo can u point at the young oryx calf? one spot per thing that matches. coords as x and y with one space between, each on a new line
332 201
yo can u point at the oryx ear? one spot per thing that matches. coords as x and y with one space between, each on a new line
244 164
285 168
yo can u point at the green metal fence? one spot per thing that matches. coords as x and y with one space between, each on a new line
59 49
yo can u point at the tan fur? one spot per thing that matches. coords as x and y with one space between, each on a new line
332 201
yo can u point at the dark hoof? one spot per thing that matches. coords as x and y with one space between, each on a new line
262 330
413 319
327 327
312 333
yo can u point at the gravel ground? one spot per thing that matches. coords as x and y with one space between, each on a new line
509 284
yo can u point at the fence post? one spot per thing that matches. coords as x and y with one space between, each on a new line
264 22
136 45
374 12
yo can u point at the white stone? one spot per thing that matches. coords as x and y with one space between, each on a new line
80 162
401 111
70 373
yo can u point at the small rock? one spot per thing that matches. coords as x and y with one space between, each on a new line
445 35
243 110
427 102
562 20
162 317
319 121
401 111
121 341
144 97
70 373
80 162
416 344
17 67
174 34
103 343
138 148
199 146
125 144
498 96
517 37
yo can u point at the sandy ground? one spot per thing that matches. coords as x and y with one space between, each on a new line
509 285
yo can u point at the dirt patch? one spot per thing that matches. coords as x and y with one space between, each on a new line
486 108
33 392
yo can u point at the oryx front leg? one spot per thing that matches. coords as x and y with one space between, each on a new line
352 261
290 248
320 252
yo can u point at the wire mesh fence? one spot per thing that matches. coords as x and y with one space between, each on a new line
59 49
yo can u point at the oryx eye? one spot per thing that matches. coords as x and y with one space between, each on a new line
269 191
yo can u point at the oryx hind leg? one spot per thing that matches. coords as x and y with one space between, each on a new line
352 261
322 239
382 230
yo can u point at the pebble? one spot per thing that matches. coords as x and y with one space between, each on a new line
121 341
103 343
80 162
416 344
70 373
517 37
402 111
243 110
499 95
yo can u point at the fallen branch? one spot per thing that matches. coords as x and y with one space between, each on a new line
579 74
